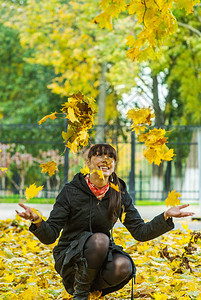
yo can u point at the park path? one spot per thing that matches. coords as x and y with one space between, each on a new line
7 211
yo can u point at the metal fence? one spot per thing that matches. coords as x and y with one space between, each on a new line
35 144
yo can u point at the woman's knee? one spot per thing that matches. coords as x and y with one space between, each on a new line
116 271
98 242
122 267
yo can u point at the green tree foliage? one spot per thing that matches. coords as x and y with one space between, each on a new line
64 37
23 92
180 64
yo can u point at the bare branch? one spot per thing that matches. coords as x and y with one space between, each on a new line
190 28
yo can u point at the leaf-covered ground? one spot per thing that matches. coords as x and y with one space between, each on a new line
168 267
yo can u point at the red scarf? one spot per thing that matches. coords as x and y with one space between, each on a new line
98 192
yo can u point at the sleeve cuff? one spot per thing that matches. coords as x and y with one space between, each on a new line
169 221
34 229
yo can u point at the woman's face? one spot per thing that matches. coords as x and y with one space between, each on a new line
103 162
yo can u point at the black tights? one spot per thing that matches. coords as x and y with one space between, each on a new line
114 272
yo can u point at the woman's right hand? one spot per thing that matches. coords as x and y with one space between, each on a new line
28 214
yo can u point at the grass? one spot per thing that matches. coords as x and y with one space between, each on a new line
16 199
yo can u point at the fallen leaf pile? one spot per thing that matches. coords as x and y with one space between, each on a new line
168 267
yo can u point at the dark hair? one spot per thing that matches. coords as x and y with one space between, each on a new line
115 197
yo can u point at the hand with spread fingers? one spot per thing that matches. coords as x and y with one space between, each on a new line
28 214
177 212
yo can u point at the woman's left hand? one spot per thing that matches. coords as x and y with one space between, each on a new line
177 212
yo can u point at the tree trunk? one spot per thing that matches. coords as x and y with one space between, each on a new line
157 171
100 134
159 119
22 182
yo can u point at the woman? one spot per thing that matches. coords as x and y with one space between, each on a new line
86 209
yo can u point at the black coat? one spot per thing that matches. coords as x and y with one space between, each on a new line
77 209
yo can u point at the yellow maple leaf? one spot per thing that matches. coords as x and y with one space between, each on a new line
71 115
83 135
51 116
32 191
49 167
100 173
155 137
173 198
166 153
140 116
69 134
73 146
138 128
114 186
158 296
85 170
152 156
142 137
9 277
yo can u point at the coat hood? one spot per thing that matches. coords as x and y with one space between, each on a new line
80 183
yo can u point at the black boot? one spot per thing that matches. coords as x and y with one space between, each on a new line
84 278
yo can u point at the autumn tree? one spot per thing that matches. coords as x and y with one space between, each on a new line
83 56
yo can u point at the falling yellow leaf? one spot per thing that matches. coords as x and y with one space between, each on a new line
100 173
155 137
152 156
155 142
80 112
173 198
73 146
49 167
32 191
85 170
71 115
139 128
140 116
38 213
51 116
166 153
114 186
83 135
